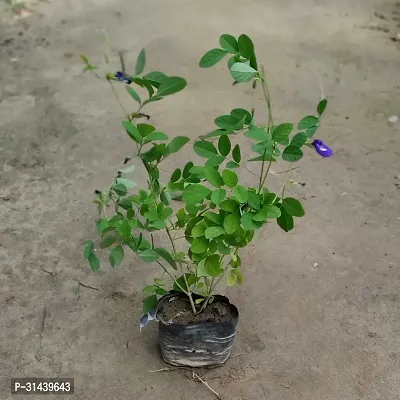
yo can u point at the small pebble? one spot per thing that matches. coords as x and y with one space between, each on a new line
393 119
315 265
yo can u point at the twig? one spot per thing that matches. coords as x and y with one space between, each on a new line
166 369
49 272
285 170
386 262
207 385
88 286
236 355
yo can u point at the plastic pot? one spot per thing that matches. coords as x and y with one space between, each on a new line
196 344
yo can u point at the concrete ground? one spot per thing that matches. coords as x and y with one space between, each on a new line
330 332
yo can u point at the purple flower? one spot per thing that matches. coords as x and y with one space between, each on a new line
122 77
322 149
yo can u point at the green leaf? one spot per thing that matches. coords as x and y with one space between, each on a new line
176 144
212 57
171 85
127 170
233 60
149 289
155 77
186 170
149 303
229 205
247 222
258 134
120 189
246 46
230 178
107 241
227 122
126 182
213 265
196 193
229 43
116 256
242 114
213 176
292 154
155 136
281 133
253 64
263 148
132 131
176 175
285 221
240 193
243 72
268 211
322 106
125 203
224 145
199 229
215 161
140 62
196 170
134 94
236 154
299 139
308 122
217 196
199 245
222 248
231 223
293 207
231 279
101 225
213 232
232 165
204 149
165 254
88 249
254 199
213 218
94 262
149 255
311 131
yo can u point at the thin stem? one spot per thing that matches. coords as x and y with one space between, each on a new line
189 293
267 99
118 99
172 277
266 174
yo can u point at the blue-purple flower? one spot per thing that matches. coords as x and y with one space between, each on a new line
123 77
322 149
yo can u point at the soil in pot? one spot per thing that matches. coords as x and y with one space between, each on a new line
180 311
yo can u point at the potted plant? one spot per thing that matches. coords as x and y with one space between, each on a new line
205 212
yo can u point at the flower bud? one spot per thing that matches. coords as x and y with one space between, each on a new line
322 149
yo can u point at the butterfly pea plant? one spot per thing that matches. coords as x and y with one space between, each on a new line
205 204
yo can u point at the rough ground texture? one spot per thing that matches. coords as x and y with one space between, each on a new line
330 332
